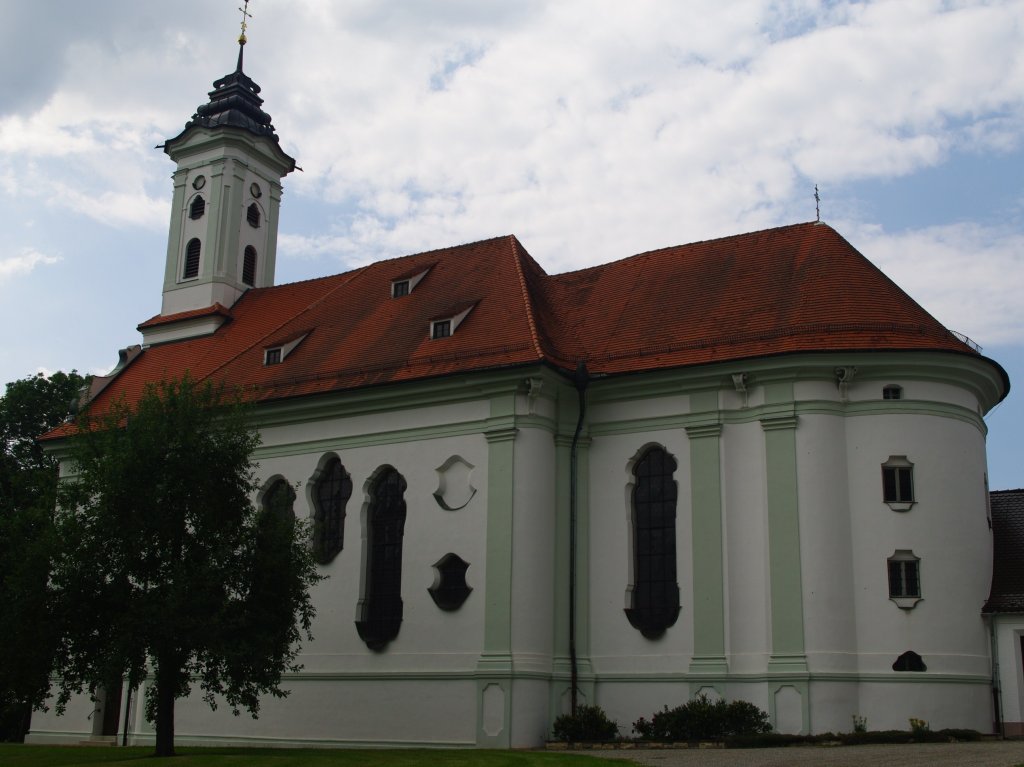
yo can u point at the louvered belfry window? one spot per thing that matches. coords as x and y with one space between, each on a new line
198 207
333 489
249 266
655 592
252 215
192 251
381 609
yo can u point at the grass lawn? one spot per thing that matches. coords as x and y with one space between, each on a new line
12 755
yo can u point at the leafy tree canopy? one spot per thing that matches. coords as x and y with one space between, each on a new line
167 567
28 480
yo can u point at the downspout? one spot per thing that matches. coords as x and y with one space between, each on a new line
580 379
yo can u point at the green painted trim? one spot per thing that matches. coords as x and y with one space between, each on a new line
708 557
803 407
980 376
784 572
851 677
253 740
495 667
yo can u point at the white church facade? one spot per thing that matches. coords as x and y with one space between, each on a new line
751 467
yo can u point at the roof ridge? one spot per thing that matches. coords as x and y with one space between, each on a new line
693 244
517 250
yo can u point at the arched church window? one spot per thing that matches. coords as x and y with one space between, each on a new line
279 500
197 208
252 215
249 266
655 593
192 251
330 497
380 614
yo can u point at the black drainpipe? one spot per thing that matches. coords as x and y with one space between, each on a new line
580 379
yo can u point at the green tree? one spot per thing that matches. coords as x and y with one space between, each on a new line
28 481
167 567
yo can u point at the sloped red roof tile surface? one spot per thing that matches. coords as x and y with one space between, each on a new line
792 289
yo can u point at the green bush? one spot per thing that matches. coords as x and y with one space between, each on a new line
703 719
589 723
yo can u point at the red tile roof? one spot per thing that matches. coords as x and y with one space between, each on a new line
792 289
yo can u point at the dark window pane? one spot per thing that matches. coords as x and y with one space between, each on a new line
249 266
252 215
333 490
192 251
655 594
382 602
198 207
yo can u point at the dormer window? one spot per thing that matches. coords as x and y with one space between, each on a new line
892 391
252 215
446 324
276 354
404 284
197 208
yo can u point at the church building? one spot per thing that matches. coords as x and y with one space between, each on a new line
750 467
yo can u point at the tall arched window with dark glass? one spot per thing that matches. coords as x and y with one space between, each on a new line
654 604
380 613
330 497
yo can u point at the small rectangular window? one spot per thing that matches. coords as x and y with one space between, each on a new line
441 329
898 484
904 578
400 288
892 392
273 357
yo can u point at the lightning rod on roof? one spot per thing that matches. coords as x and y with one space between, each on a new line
817 205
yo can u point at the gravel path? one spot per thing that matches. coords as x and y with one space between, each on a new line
1004 753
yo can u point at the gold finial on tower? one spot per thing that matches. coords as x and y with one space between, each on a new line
245 15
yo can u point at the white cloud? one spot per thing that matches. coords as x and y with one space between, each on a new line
968 276
23 263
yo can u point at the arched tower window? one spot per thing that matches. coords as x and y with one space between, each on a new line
192 251
909 661
330 497
381 609
197 208
252 215
249 266
655 593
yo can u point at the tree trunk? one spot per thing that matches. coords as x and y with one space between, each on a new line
165 687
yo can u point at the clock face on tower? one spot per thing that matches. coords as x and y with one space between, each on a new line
255 190
199 182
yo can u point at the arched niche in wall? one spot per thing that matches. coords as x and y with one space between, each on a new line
454 484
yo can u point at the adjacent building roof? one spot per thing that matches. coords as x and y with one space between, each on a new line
792 289
1007 595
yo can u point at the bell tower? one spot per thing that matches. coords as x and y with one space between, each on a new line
227 195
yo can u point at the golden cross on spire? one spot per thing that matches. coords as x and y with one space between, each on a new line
245 15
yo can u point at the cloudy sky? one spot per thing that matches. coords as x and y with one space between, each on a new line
591 129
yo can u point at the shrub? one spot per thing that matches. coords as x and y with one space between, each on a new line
589 723
703 719
860 723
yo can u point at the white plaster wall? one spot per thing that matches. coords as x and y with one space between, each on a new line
830 628
947 528
1009 629
615 645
